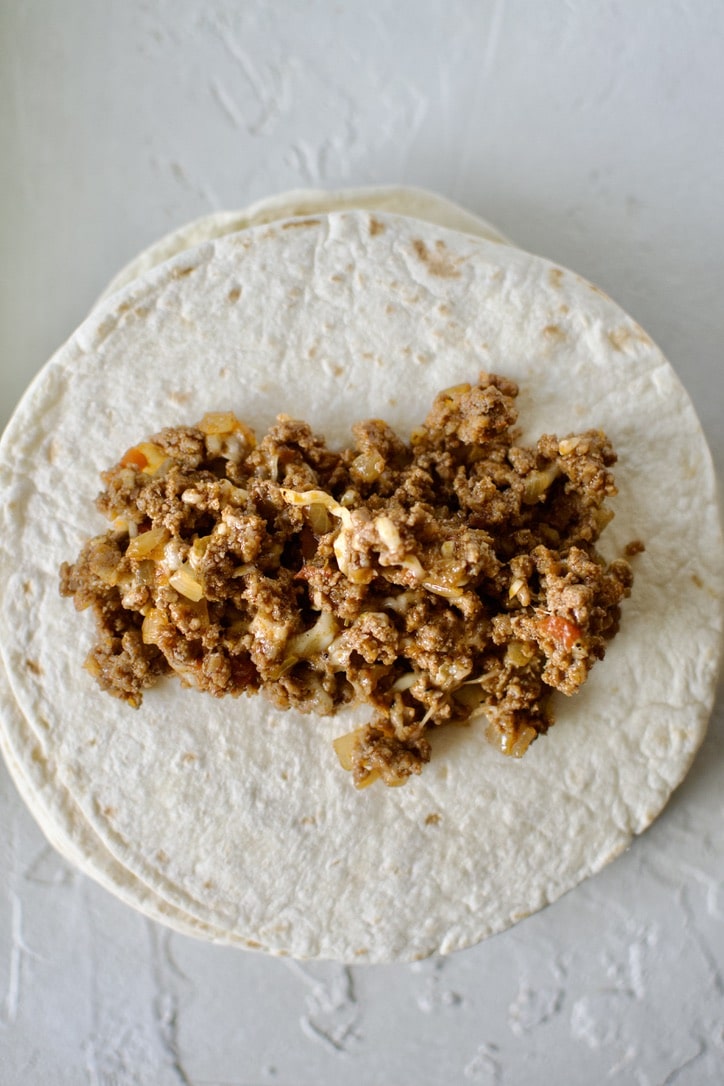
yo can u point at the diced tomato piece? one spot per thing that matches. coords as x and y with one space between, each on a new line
561 630
134 458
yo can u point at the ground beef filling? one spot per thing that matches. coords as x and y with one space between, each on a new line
452 577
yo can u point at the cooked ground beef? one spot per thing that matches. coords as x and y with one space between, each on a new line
450 577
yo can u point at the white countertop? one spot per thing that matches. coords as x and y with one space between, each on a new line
591 133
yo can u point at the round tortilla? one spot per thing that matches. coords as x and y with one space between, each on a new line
260 835
45 796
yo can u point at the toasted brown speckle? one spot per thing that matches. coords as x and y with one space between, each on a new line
555 276
438 263
179 397
376 227
432 819
234 294
33 666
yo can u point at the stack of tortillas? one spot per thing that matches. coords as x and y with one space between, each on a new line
233 821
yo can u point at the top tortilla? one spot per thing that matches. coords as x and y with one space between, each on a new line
261 835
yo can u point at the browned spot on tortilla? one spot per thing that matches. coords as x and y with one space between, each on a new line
300 222
443 309
252 944
336 278
189 757
312 352
555 275
594 288
181 273
620 338
389 308
697 580
308 820
337 369
392 401
124 307
27 587
224 372
53 451
234 294
361 950
438 263
161 856
367 354
177 396
563 309
432 819
33 666
208 885
376 227
108 812
554 331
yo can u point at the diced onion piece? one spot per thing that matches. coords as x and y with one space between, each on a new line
218 422
372 777
405 681
367 467
538 482
518 653
344 747
198 550
413 564
185 583
449 395
154 625
319 519
146 543
469 694
446 591
515 587
516 746
567 445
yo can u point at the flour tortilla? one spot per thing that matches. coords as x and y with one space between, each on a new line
35 778
262 836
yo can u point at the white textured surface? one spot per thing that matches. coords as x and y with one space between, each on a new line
590 133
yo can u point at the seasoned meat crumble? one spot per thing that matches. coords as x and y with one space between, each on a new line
439 580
